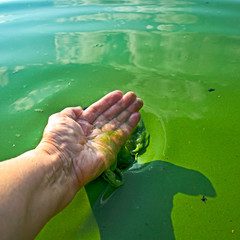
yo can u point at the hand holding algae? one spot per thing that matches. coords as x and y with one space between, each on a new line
127 156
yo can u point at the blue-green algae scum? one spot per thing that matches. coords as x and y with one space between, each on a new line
183 59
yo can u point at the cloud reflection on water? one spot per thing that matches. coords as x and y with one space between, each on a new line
80 47
71 3
3 76
139 48
36 96
156 14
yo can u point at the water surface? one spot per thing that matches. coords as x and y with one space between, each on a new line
182 58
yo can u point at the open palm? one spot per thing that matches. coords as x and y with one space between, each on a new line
88 141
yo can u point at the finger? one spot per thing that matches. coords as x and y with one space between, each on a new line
121 118
128 127
96 109
72 112
120 135
115 109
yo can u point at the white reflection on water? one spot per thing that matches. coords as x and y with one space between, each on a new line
36 96
161 15
3 76
143 63
167 28
17 69
4 19
71 3
105 17
80 47
171 17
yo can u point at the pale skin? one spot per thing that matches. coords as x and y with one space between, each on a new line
76 147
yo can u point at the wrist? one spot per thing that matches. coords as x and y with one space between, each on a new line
59 177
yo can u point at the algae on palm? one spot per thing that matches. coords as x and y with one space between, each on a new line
136 145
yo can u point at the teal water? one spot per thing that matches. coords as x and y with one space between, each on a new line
55 54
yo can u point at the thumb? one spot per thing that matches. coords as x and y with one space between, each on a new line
72 112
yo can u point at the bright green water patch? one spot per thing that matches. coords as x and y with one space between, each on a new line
74 222
55 54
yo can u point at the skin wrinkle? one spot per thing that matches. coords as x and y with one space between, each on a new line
78 174
83 162
95 150
64 139
66 162
59 168
101 167
85 127
60 172
67 165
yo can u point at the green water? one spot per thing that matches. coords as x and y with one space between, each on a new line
62 53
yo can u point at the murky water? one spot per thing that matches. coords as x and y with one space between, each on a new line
182 58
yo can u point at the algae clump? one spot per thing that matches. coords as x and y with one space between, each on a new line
127 156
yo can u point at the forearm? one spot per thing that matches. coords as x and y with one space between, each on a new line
33 188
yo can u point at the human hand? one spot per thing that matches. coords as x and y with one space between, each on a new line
88 141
